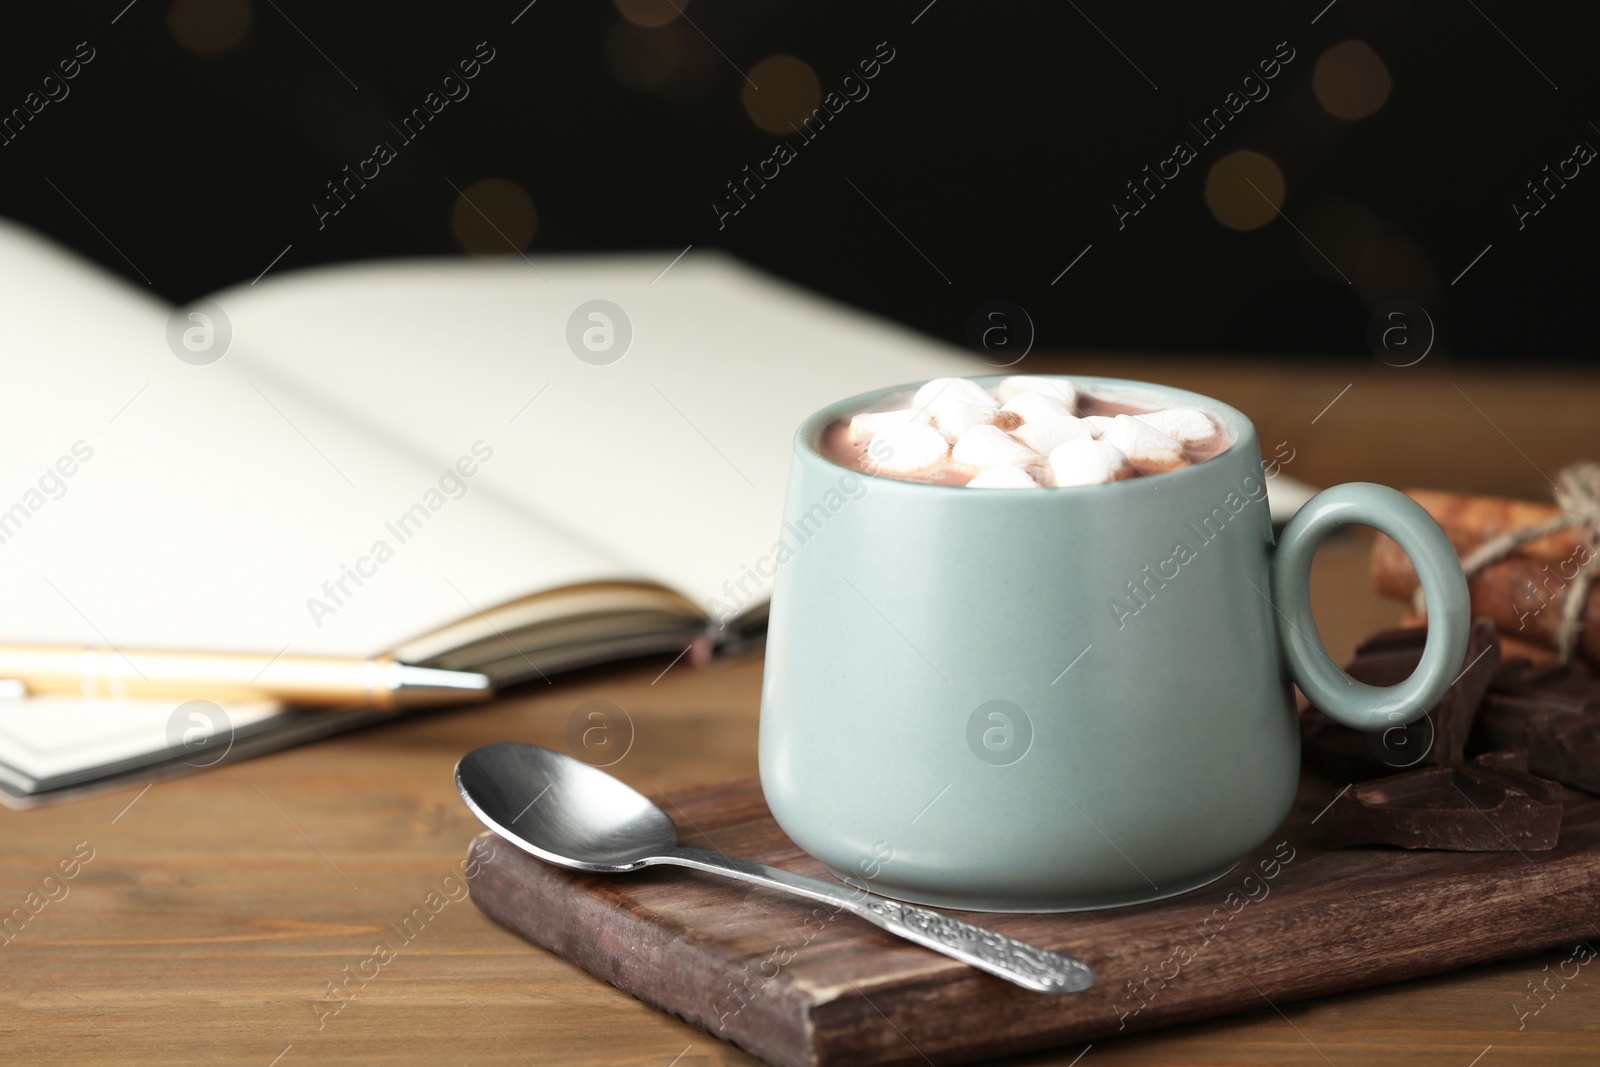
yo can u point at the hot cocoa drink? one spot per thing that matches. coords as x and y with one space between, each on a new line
1027 432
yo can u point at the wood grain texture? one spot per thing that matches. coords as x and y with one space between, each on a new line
802 987
217 910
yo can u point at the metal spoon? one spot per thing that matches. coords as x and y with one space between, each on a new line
571 814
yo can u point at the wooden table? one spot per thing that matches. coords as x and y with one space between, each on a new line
217 909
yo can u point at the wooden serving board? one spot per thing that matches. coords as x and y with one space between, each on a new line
780 978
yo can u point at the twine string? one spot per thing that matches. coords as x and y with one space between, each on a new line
1577 497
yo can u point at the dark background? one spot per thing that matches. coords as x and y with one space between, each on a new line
994 142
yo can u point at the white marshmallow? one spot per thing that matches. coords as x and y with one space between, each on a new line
1059 388
1099 424
911 446
870 423
1085 462
1142 443
1046 436
1185 425
989 446
956 417
945 390
1035 407
1003 477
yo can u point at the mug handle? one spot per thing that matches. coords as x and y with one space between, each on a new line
1331 690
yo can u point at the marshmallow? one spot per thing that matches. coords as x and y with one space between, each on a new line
1099 424
911 446
1003 477
1085 462
989 446
1046 436
870 423
955 405
1058 388
1185 425
1035 407
945 390
956 417
1142 443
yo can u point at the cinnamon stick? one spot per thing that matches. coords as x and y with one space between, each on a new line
1525 597
1473 520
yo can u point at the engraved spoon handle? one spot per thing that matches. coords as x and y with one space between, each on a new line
1018 962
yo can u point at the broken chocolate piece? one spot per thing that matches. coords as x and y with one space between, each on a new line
1510 759
1550 685
1437 739
1490 805
1554 712
1356 755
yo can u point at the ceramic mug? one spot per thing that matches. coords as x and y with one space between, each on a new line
1062 698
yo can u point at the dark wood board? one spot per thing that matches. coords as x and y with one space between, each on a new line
843 992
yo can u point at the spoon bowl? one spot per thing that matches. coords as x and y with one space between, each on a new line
561 809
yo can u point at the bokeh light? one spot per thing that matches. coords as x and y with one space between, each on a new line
1244 190
672 61
784 93
650 13
207 27
641 58
494 218
1350 80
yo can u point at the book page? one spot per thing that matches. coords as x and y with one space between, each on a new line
673 457
50 740
146 501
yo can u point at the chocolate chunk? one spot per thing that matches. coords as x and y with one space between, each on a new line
1437 739
1549 685
1554 712
1490 805
1510 759
1356 755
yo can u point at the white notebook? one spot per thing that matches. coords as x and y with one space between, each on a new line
50 742
309 491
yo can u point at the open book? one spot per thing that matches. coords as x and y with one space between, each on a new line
407 457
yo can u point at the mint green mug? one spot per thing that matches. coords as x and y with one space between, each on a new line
1064 698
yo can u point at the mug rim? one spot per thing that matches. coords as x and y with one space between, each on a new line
1235 423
